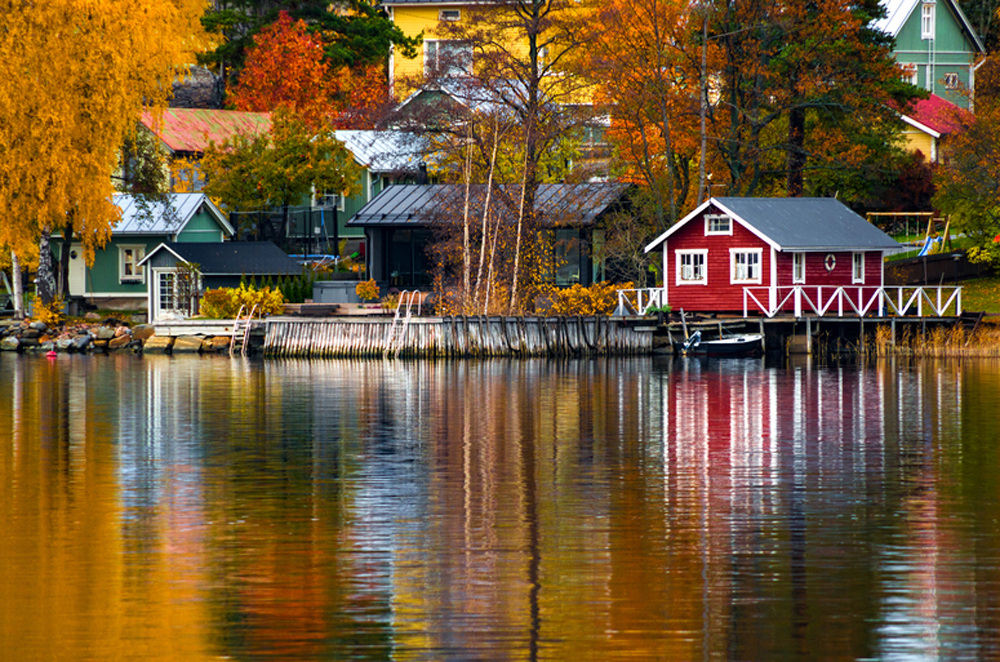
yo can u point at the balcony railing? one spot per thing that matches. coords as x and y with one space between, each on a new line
828 301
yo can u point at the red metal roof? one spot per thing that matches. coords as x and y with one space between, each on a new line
192 129
940 115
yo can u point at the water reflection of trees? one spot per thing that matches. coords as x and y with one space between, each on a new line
580 509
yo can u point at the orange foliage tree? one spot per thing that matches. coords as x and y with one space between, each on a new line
647 65
285 69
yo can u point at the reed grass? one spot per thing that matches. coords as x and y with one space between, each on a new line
939 342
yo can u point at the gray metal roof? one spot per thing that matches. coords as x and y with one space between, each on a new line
232 258
158 218
555 204
386 151
796 224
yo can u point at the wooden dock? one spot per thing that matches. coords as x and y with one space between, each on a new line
458 336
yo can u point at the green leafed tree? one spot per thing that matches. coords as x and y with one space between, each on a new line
274 171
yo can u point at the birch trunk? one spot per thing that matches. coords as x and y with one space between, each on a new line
18 289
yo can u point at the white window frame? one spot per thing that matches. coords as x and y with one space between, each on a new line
751 268
138 274
911 74
927 20
798 268
679 258
858 268
432 59
328 200
951 81
450 15
710 218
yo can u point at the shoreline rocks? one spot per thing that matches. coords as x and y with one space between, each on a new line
104 336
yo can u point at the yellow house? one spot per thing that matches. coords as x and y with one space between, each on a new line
927 126
446 55
416 17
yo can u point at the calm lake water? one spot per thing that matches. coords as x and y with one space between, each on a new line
186 508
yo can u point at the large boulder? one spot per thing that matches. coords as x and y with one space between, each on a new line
187 344
82 342
105 333
158 345
143 332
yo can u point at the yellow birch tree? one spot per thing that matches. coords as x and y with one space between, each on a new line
74 77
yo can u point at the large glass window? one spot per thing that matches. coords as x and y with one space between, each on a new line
447 58
408 264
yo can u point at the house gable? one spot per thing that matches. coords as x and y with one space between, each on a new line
942 63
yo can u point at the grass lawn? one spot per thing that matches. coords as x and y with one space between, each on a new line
981 294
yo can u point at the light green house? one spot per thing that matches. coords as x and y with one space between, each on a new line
936 45
117 281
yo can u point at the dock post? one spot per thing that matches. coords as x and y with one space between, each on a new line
809 337
892 324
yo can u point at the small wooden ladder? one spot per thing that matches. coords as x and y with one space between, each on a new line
244 341
397 332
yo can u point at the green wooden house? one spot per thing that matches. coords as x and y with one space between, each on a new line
386 158
936 45
116 280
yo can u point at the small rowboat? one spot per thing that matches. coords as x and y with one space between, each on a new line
746 344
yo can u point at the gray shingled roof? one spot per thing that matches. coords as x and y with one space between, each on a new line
232 258
797 224
556 204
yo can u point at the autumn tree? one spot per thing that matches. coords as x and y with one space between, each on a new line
647 66
254 173
354 33
76 77
791 70
968 180
512 60
285 69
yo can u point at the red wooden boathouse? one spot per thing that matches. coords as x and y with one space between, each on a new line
770 255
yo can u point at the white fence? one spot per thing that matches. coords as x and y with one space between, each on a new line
822 301
639 301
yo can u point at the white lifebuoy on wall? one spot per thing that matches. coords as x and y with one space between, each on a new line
830 261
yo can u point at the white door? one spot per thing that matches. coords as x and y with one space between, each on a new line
165 299
77 272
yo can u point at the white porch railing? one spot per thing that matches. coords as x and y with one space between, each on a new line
828 301
821 301
639 301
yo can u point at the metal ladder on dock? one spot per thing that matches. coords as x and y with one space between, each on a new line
397 332
246 324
